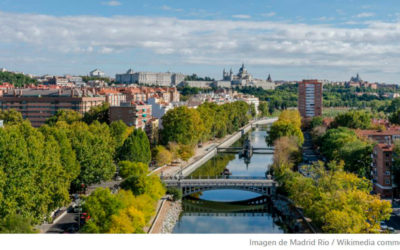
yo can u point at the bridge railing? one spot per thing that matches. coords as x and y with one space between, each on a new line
215 178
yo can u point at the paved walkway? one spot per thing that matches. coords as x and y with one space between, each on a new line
172 170
162 215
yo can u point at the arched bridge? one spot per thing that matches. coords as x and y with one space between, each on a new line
257 185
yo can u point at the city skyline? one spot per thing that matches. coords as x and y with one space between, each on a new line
328 41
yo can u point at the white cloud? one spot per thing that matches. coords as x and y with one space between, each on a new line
365 14
169 8
269 14
241 16
112 3
208 42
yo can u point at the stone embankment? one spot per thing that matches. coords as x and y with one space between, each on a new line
172 217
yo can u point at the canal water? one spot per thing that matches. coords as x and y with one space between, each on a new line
227 211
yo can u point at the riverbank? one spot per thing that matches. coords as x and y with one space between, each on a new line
166 217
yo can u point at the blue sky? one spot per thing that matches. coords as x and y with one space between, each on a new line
291 39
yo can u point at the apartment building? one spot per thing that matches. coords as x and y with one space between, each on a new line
38 105
132 114
113 97
383 137
310 98
381 171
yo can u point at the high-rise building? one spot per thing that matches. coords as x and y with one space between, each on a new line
381 170
310 98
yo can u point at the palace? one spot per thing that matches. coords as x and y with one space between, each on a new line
243 79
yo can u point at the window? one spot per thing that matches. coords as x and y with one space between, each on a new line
387 181
387 173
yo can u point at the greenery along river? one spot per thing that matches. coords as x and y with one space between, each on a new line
226 211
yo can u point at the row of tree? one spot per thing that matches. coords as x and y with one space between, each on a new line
190 126
39 167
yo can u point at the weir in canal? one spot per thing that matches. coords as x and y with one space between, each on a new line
232 210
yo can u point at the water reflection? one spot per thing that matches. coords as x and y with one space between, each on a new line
203 216
217 211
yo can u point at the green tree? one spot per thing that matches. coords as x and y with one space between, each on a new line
17 79
94 148
120 131
283 128
207 112
11 117
67 154
127 168
162 156
136 148
139 185
395 117
175 192
343 144
35 180
353 119
98 113
316 121
100 206
263 108
65 115
253 111
394 106
16 224
182 125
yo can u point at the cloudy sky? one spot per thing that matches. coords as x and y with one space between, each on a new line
291 39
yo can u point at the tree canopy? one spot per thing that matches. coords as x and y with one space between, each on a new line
17 79
353 119
288 124
136 148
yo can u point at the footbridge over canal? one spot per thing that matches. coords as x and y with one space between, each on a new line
261 186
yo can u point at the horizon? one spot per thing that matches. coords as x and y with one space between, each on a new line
328 41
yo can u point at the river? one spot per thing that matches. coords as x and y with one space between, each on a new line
224 211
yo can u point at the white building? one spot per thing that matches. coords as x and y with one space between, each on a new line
150 78
198 84
97 73
3 70
158 109
249 99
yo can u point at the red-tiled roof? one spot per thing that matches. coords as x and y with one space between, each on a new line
385 147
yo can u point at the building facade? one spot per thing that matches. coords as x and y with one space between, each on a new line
132 114
113 97
97 73
150 78
381 170
38 105
310 98
383 137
